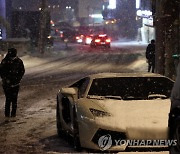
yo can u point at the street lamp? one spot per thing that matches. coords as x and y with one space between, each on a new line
68 7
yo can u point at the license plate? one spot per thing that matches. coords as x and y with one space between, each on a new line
103 43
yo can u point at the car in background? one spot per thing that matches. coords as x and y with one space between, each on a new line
105 107
84 39
79 38
100 40
88 39
66 33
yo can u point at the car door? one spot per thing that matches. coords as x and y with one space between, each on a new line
68 101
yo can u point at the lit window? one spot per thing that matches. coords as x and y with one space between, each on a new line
112 4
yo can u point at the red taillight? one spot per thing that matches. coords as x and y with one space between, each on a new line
61 35
108 40
97 40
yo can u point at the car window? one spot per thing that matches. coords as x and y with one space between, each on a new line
82 86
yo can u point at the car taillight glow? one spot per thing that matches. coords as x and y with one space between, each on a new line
77 37
79 40
108 40
88 40
97 40
61 35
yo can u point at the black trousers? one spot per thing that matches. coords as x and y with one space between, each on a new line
11 94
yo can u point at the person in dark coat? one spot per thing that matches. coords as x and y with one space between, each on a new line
150 56
11 71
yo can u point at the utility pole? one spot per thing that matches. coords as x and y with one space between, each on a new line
167 36
43 23
170 38
169 61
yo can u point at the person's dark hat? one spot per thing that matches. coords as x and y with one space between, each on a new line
12 52
153 41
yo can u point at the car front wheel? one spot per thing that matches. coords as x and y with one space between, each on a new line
76 139
58 122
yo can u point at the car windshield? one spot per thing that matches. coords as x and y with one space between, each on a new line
132 87
102 37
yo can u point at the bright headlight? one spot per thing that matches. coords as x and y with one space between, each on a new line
99 113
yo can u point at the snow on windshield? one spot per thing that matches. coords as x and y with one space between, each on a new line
131 87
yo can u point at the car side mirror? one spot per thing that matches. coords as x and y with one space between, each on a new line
69 91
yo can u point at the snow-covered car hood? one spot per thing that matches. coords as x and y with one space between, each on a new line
146 118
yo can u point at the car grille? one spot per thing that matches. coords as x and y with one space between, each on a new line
114 135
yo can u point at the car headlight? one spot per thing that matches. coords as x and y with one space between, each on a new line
99 113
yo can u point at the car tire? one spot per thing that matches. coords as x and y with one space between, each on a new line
58 121
76 139
176 136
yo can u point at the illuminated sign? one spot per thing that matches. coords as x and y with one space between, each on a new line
96 15
144 13
112 4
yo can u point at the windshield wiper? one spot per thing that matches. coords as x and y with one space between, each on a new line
104 97
95 97
156 96
113 97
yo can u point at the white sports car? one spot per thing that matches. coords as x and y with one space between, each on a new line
105 111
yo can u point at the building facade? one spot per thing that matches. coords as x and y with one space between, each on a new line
90 12
145 21
5 18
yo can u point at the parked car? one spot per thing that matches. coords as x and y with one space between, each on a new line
100 40
114 106
79 38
